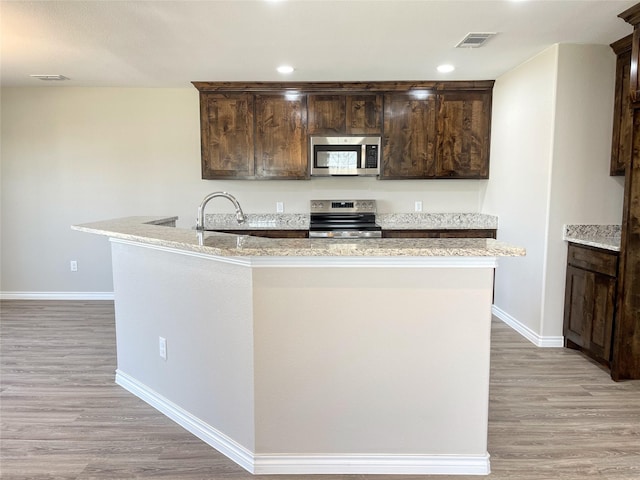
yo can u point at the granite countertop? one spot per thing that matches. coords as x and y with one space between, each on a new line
146 230
388 221
599 236
257 221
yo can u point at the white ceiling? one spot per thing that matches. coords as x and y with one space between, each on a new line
171 43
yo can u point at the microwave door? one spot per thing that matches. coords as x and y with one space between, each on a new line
337 160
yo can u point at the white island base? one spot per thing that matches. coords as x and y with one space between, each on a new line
312 365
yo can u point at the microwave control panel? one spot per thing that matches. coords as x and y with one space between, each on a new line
371 156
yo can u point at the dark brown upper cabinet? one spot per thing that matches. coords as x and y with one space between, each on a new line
226 133
246 136
259 130
464 131
345 114
436 135
409 140
364 114
281 136
327 114
621 149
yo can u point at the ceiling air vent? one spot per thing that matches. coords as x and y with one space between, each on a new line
475 39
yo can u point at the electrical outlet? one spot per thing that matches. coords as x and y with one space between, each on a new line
418 206
279 207
73 265
162 347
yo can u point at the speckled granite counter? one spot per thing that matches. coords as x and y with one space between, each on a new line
436 221
599 236
146 230
388 221
258 221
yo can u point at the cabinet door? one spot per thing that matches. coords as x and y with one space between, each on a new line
578 282
409 138
364 114
226 133
281 137
621 148
464 128
327 114
589 310
602 304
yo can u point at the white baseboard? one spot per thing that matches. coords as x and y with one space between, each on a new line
372 464
306 464
526 332
56 295
205 432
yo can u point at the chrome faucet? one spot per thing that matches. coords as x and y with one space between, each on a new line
239 214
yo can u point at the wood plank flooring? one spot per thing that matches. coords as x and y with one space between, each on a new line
553 413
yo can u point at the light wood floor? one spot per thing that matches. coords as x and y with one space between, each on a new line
553 413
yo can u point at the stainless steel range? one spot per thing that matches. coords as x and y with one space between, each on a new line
344 219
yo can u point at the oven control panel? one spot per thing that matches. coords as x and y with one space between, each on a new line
343 206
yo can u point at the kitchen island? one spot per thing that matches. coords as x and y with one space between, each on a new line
309 355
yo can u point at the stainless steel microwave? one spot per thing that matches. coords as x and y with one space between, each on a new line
344 156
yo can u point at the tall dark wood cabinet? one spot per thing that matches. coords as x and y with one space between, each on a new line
622 112
626 344
409 141
590 298
227 135
464 130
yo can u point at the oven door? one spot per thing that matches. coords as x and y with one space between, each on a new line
336 159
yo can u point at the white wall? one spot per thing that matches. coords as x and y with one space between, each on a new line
518 188
581 189
73 155
550 150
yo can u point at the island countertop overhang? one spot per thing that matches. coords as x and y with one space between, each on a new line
392 305
150 230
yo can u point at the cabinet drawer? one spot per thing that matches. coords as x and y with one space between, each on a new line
594 259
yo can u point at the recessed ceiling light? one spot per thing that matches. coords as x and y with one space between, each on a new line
446 68
285 69
49 77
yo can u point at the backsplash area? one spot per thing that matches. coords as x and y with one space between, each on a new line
386 220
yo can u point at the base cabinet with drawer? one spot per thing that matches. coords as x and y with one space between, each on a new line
590 300
440 233
269 233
